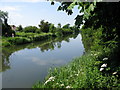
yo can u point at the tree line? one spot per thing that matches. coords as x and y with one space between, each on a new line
43 27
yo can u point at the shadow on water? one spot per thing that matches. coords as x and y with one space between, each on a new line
45 45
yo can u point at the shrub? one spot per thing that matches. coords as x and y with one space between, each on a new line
18 40
30 29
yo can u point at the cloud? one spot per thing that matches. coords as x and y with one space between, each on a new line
10 8
31 1
47 62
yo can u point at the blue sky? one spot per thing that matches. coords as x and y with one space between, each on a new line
31 12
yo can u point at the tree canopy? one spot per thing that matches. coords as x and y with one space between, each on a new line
96 14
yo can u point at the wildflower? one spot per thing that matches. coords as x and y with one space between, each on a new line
47 82
101 69
105 59
114 73
68 87
50 79
104 65
62 85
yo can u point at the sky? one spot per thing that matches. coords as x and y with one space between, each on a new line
31 12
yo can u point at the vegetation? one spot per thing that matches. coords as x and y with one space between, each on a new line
82 72
99 67
45 45
31 33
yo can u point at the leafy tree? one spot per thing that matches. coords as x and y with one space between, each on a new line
96 14
30 29
19 28
3 16
66 26
44 26
52 28
6 29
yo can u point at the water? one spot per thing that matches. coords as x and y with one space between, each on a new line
24 65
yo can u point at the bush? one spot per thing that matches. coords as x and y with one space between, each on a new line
30 29
18 40
42 36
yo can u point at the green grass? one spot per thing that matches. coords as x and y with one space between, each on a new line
23 38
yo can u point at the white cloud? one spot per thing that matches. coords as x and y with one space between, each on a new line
47 62
31 1
8 8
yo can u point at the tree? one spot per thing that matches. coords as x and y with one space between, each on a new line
52 28
3 16
19 28
96 14
66 26
6 29
31 29
44 26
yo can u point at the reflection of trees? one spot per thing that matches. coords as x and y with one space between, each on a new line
45 45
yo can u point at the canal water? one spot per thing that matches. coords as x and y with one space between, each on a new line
24 65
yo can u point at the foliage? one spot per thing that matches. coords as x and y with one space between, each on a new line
6 29
93 14
30 29
66 26
52 29
19 28
18 40
85 71
82 72
3 16
44 26
23 38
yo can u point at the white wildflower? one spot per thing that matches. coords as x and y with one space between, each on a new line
47 82
62 85
105 59
68 87
50 79
101 69
114 73
104 65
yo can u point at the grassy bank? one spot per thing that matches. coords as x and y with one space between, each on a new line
99 67
82 72
23 37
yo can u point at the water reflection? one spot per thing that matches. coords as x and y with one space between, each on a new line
25 64
45 45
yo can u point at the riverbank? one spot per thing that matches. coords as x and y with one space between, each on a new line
24 38
97 68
